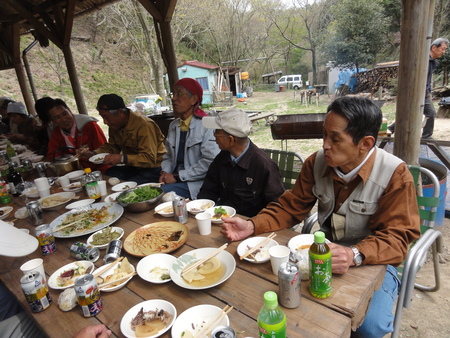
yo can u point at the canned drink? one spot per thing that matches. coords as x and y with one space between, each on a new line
180 209
98 175
88 295
35 211
289 285
223 332
41 169
36 292
83 251
44 234
113 251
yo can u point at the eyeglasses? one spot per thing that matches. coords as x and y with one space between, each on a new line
179 93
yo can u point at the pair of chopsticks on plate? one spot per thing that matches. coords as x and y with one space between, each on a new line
205 330
204 259
258 246
107 267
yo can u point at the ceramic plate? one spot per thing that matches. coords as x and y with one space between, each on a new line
112 198
155 261
148 305
261 257
230 212
164 209
302 242
198 206
73 187
110 271
53 282
104 246
75 175
98 159
159 237
124 186
190 257
195 317
5 211
113 213
79 204
56 200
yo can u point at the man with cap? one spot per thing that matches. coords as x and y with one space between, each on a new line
190 146
242 175
135 141
4 125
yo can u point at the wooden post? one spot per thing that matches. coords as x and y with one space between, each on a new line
169 51
77 93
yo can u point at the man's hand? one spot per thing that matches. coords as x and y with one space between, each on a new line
112 159
341 258
86 154
167 178
235 228
94 331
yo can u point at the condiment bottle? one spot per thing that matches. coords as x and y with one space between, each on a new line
320 267
271 319
4 195
91 185
14 179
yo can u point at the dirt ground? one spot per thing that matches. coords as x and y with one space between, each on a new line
429 315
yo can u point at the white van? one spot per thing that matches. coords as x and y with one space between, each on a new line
294 81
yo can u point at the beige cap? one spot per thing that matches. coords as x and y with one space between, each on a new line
16 108
234 121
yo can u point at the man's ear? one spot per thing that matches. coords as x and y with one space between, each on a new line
367 142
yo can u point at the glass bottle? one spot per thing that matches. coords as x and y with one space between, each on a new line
91 185
320 267
10 151
271 319
4 195
14 179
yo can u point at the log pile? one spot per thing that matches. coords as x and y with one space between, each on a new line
380 76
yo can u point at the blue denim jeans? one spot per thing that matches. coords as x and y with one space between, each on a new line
179 188
379 320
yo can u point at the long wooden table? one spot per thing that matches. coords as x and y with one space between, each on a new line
335 316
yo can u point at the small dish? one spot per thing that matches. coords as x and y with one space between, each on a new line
31 192
5 211
81 203
54 201
230 212
104 246
73 187
112 198
302 242
249 243
164 209
124 186
36 158
98 158
53 280
110 271
149 263
75 175
198 206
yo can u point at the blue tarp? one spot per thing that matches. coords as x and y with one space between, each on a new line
346 77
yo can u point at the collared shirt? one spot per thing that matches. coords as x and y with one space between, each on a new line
184 124
237 159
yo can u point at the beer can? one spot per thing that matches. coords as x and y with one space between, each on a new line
35 211
88 295
44 234
35 290
113 251
289 285
85 252
223 332
180 209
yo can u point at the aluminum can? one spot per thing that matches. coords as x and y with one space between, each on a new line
36 292
44 234
180 209
41 169
85 252
35 211
223 332
113 251
98 175
88 295
289 285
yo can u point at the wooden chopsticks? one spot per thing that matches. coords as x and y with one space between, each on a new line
203 260
104 285
107 267
205 330
258 246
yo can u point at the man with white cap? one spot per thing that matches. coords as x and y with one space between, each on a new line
242 175
4 125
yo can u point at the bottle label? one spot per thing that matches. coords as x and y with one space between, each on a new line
272 330
92 190
320 275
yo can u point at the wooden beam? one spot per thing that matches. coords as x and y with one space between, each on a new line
76 88
165 42
149 6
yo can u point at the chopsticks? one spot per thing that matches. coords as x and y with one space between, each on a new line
107 267
258 246
104 285
204 259
213 323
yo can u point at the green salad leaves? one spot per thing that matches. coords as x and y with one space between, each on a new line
140 194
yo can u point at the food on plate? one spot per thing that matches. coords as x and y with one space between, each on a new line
261 254
140 194
113 181
123 269
219 213
303 247
68 299
203 207
68 277
205 274
149 323
105 236
53 200
158 273
157 239
166 210
73 186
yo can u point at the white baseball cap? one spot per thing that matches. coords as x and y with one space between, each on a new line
16 108
15 242
234 121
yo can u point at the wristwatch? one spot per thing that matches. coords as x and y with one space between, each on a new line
357 258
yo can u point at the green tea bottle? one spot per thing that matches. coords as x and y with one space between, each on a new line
320 267
271 319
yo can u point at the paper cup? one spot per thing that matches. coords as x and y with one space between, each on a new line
36 264
203 223
102 187
42 183
279 254
44 193
64 181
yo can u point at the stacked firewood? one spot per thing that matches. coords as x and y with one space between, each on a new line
380 76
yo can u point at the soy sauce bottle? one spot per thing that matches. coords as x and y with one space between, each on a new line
14 179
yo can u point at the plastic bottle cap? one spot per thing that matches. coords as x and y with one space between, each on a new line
319 237
270 300
87 170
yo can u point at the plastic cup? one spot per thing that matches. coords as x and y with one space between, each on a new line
279 254
36 264
64 181
102 187
203 223
42 183
44 193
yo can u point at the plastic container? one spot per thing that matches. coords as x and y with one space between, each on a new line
92 188
271 318
320 267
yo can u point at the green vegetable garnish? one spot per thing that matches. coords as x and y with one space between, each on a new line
220 211
140 194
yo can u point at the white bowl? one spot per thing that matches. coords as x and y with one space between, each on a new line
104 246
98 158
124 186
160 209
198 206
65 196
110 271
75 175
302 242
6 211
230 212
249 243
112 198
73 187
148 263
81 203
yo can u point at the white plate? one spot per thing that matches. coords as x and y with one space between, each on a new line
66 196
81 203
124 186
230 211
251 242
6 211
104 246
110 271
98 159
75 175
115 210
159 209
198 206
31 192
112 198
73 187
150 262
52 281
224 256
197 315
36 158
304 239
148 305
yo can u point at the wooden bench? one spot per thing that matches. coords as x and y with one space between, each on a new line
267 116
